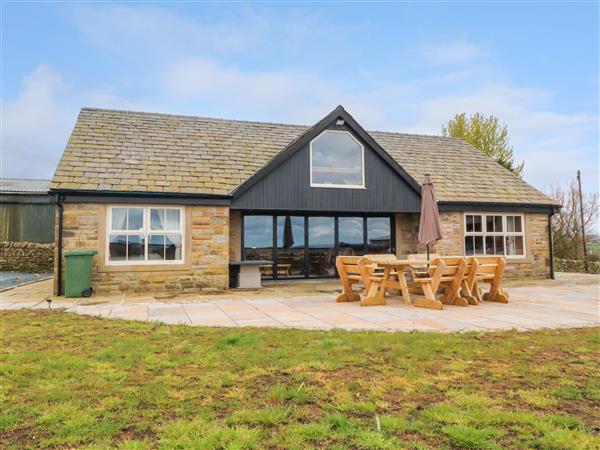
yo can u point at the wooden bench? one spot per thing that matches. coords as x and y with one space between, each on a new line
419 272
282 269
429 285
453 280
489 269
347 267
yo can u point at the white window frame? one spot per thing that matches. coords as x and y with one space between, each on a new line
145 231
338 186
504 233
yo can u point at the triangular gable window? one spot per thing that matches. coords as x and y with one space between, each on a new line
337 160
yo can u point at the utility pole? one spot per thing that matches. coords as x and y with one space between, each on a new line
585 256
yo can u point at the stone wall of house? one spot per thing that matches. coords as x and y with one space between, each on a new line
536 264
208 268
537 261
407 232
31 257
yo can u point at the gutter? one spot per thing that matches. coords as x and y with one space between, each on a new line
93 196
551 245
94 192
59 287
460 206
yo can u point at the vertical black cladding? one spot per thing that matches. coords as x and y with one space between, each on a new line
287 187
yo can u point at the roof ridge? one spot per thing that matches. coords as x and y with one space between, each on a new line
25 179
397 133
255 122
218 119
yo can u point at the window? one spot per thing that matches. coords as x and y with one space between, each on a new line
305 246
142 235
351 236
494 234
379 235
258 238
336 160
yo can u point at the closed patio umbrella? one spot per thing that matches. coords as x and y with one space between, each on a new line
288 236
430 227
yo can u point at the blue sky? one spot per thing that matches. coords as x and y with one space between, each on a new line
405 67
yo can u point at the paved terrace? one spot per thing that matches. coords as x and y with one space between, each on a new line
572 300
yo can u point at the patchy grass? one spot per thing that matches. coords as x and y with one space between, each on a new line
79 382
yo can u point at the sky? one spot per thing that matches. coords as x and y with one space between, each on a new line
406 67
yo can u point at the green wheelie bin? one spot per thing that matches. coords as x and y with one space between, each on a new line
78 274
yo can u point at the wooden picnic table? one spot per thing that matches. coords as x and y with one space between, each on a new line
392 278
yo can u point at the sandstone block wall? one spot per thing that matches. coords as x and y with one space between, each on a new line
535 264
206 265
31 257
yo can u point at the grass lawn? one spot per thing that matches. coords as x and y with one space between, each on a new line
80 382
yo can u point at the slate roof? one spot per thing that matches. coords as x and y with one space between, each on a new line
23 186
127 151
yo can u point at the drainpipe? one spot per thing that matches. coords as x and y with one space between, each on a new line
59 245
551 246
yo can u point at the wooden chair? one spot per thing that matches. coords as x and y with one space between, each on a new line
372 278
490 269
420 272
347 267
469 280
429 285
453 279
367 267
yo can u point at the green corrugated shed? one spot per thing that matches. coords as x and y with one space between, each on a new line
26 211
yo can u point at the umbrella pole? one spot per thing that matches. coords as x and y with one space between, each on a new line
428 253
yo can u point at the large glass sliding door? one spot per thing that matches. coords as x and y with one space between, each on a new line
290 247
379 235
351 236
321 246
305 246
258 240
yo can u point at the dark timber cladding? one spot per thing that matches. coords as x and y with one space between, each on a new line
287 187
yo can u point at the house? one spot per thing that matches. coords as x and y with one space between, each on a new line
26 225
168 201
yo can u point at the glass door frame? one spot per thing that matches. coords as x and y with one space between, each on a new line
306 215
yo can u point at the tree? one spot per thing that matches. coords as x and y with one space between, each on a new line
566 225
487 134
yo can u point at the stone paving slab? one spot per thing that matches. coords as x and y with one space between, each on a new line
568 303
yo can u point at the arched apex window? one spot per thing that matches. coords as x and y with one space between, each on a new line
337 161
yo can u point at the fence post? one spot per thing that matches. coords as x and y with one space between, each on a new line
585 256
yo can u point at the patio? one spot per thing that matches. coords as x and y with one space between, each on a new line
569 301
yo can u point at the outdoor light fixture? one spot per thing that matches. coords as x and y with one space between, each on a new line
49 300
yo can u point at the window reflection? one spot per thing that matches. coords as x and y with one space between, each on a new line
290 246
306 246
337 159
321 246
351 236
258 238
379 235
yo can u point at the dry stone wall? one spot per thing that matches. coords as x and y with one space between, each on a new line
31 257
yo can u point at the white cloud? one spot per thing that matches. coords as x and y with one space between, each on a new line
454 52
121 28
553 145
35 127
36 124
277 95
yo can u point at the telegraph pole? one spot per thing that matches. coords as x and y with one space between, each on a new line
585 256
